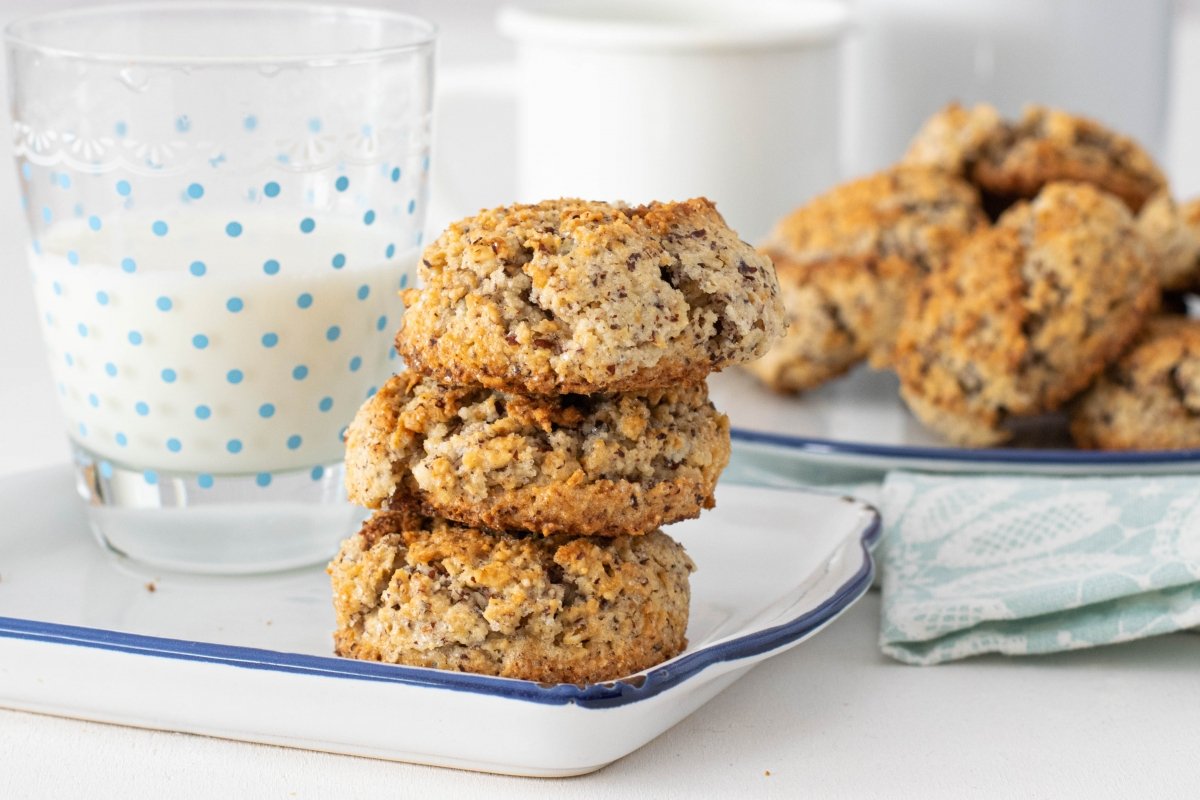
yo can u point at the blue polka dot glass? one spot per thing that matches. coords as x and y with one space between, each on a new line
220 198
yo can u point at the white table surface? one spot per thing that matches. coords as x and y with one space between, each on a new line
833 718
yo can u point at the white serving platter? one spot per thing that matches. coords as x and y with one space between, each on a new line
859 421
85 633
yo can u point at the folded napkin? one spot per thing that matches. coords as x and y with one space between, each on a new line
1017 565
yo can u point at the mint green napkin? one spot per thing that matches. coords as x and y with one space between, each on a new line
1019 565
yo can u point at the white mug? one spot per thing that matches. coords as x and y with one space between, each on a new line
660 100
1106 59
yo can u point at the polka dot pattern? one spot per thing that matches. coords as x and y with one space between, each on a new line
244 351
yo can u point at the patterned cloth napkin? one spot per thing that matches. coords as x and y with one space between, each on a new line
1017 565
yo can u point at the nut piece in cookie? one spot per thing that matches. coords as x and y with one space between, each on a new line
606 464
1150 398
1172 232
575 296
848 260
1026 314
429 593
1048 145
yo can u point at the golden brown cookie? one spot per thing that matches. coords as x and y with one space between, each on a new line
1026 314
429 593
1172 232
1048 145
575 296
1150 398
849 259
914 213
608 464
955 138
837 311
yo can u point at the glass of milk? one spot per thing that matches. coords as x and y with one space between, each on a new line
223 201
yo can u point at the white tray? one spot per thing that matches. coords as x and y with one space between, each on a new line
859 421
84 633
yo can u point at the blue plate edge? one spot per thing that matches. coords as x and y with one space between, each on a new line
594 696
826 447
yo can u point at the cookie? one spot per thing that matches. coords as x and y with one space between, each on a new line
849 259
914 213
1172 232
1150 398
955 138
606 464
1048 145
429 593
1026 314
837 312
569 296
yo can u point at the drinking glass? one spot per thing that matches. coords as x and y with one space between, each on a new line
223 200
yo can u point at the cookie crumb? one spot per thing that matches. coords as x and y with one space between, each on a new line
766 773
151 586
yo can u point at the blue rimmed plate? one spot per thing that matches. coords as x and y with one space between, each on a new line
857 427
86 634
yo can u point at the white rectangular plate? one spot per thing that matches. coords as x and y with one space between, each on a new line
85 633
859 421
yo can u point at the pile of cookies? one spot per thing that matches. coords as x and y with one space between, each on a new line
1003 269
553 415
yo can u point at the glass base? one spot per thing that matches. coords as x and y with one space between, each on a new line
217 524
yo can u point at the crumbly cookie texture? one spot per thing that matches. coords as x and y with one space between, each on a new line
1172 232
1026 314
575 296
915 213
837 312
848 261
429 593
1048 145
1150 398
609 464
955 138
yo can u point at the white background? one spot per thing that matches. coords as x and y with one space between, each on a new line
832 718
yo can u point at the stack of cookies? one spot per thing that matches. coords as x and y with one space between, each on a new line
553 416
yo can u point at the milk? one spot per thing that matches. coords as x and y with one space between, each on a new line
217 346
